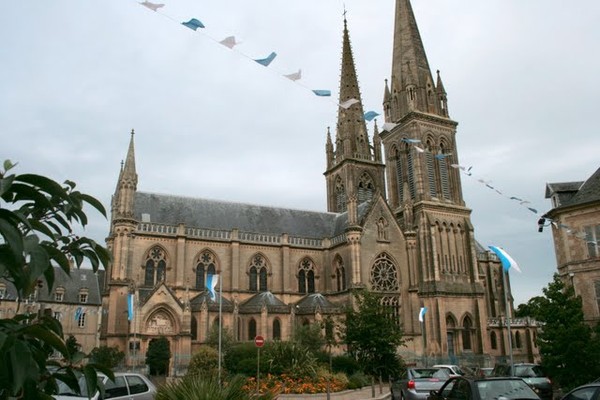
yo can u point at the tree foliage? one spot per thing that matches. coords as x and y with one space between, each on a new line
372 336
568 346
309 336
158 356
292 358
37 221
192 387
110 357
226 338
532 308
204 363
72 344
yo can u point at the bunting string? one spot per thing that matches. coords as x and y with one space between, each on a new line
231 42
543 220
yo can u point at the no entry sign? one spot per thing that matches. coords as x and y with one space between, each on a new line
259 341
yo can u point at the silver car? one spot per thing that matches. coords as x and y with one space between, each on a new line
127 385
417 383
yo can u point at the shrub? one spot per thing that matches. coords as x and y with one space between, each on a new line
205 362
289 357
345 363
207 388
241 359
358 380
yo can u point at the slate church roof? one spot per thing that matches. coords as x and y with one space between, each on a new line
223 215
576 193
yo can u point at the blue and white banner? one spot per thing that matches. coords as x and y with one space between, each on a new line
130 302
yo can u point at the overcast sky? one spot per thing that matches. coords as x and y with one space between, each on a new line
77 76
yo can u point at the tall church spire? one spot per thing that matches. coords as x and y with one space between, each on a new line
351 136
122 203
412 85
354 174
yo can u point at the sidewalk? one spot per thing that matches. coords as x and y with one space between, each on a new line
365 393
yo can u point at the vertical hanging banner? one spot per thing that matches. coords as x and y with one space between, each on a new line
130 302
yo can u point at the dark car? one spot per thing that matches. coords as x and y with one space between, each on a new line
463 388
417 383
590 391
533 374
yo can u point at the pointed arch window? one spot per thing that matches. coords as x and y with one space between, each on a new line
306 276
399 177
443 169
411 175
276 329
384 274
155 266
518 343
340 274
194 328
340 196
251 329
366 188
205 265
258 274
466 334
431 175
493 340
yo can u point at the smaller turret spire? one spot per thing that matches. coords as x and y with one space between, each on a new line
129 168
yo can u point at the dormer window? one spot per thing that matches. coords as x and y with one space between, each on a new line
59 294
83 296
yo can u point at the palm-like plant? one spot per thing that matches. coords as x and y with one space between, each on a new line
195 387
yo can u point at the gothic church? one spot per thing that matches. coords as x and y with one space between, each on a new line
396 224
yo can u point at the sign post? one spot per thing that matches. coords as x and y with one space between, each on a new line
259 342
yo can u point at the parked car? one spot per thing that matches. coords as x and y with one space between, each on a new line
463 388
454 370
589 391
482 372
127 385
533 374
417 383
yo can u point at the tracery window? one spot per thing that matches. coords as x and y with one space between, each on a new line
340 274
156 266
391 306
340 196
258 274
443 169
205 265
384 275
365 188
306 276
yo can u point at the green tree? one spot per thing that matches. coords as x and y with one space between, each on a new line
309 336
204 363
372 336
110 357
532 308
158 356
568 346
37 221
72 345
226 338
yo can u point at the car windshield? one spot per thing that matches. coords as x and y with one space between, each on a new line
529 371
65 390
499 389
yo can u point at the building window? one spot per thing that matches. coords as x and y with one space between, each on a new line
391 306
466 334
306 276
384 276
340 274
205 265
251 329
81 320
493 341
399 177
58 315
276 329
592 238
518 340
59 294
83 296
155 266
258 274
340 196
365 188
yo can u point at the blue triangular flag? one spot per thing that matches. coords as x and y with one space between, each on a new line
211 283
422 314
268 60
193 24
369 115
323 93
507 261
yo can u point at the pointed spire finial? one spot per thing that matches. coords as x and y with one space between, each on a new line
132 132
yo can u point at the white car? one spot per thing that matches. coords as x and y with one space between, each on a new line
454 370
127 385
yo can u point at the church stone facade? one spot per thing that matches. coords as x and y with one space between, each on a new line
396 224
